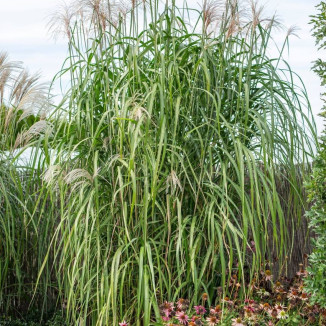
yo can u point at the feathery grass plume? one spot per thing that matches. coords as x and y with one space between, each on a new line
40 127
235 24
30 110
23 100
257 14
139 112
8 117
51 173
23 138
98 12
7 69
37 129
212 14
61 21
292 30
76 174
173 182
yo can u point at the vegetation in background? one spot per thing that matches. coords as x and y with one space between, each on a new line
23 104
316 281
33 319
159 169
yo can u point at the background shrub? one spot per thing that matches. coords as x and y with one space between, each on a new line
316 281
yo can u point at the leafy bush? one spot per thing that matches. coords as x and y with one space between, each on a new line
316 282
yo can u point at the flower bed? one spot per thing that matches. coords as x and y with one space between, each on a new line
282 302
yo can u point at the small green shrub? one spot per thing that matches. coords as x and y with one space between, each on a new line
316 281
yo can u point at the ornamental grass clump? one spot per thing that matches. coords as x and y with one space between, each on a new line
181 124
161 171
24 103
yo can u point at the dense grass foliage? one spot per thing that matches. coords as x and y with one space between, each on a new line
23 103
162 165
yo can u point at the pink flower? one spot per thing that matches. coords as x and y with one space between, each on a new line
265 306
237 322
195 321
279 308
273 312
302 271
124 323
216 311
166 309
200 310
182 317
249 308
304 296
282 315
211 321
227 301
293 294
268 275
183 304
165 318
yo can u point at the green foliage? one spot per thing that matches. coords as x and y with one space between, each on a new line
33 319
319 28
316 281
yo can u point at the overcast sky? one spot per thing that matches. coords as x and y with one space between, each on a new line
24 35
